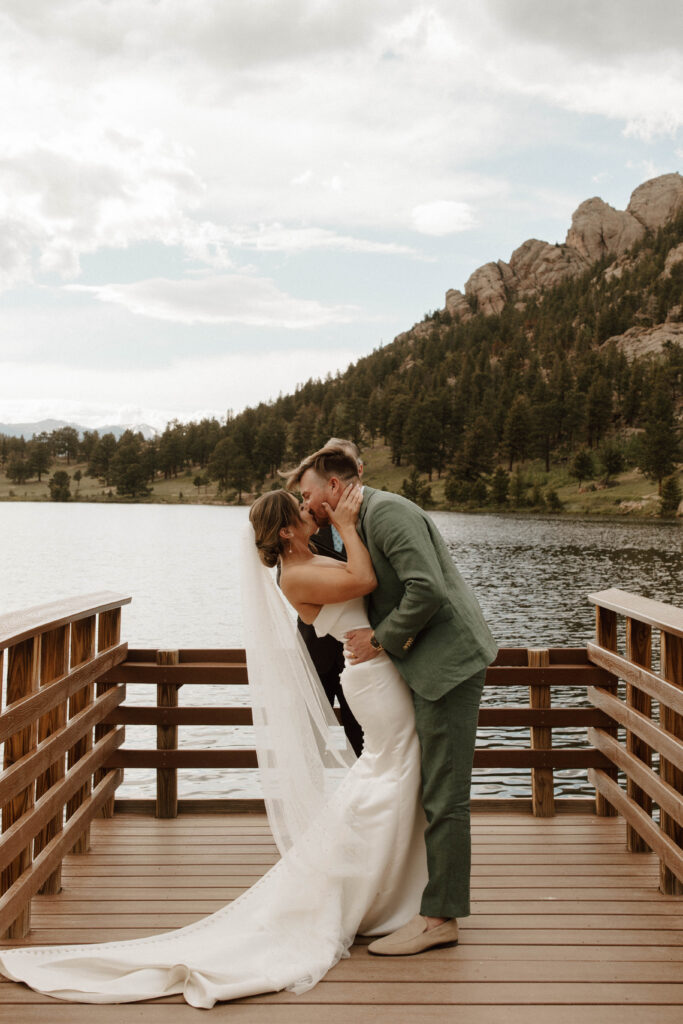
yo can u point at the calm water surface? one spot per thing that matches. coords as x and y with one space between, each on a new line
180 565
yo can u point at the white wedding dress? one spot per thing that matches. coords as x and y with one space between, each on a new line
359 868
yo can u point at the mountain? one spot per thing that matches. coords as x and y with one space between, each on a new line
598 232
563 347
27 430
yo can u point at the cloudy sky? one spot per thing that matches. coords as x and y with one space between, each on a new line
205 202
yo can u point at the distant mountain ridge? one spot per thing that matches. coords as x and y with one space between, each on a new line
27 430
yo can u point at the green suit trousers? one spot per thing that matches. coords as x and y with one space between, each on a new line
447 730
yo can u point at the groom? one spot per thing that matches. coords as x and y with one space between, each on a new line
428 621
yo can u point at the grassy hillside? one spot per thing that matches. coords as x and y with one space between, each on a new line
629 494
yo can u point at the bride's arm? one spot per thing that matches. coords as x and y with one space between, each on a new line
315 583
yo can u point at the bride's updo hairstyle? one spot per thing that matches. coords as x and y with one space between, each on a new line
268 515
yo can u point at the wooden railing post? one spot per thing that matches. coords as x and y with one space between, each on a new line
542 783
82 649
606 636
639 651
108 635
167 739
54 663
23 666
672 670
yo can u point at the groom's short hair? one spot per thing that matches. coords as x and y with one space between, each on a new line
326 462
350 447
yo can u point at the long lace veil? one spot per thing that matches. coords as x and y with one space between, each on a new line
301 750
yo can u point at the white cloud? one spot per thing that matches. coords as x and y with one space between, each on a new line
281 238
241 97
443 217
100 190
220 299
619 59
187 385
241 32
598 29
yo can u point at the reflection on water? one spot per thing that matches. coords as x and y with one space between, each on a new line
180 564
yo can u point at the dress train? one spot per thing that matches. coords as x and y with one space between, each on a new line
359 868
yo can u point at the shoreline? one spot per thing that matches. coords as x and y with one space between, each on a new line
631 515
628 495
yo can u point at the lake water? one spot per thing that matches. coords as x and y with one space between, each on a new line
180 565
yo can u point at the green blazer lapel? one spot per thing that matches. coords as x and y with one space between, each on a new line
367 494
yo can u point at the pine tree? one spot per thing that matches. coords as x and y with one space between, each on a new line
671 497
612 459
417 490
59 486
128 469
583 466
517 430
659 447
500 486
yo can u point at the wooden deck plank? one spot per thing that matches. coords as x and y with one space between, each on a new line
430 970
55 906
566 925
254 1013
534 949
512 937
454 993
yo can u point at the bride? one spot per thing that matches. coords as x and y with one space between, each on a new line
351 832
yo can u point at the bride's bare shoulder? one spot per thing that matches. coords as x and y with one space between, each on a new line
313 564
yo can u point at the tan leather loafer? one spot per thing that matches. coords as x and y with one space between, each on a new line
415 938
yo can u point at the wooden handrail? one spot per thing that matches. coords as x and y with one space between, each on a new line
646 789
29 622
655 613
648 682
54 778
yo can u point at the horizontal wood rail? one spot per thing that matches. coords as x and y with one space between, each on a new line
541 671
496 717
202 673
55 741
651 712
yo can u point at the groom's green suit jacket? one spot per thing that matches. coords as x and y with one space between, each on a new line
422 611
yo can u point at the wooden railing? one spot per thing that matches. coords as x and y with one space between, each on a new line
62 742
651 712
55 743
542 671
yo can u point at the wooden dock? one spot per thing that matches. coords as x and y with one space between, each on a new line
566 927
577 904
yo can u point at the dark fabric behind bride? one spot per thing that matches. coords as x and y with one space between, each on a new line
350 833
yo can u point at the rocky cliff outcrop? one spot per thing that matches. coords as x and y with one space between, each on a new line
674 256
537 265
658 200
643 341
597 230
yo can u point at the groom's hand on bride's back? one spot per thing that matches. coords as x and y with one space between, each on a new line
357 646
